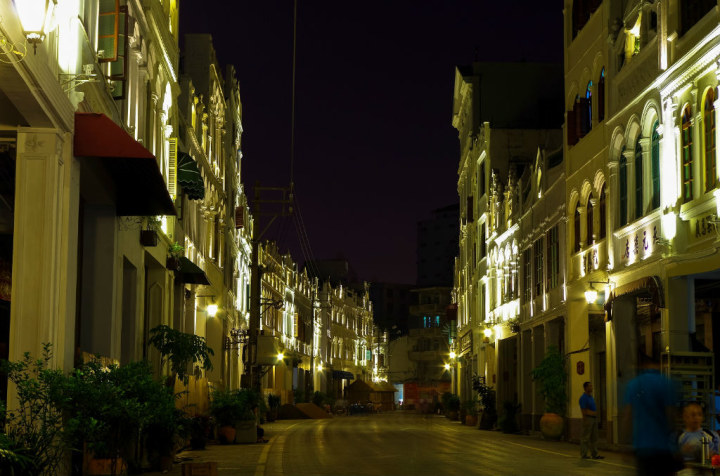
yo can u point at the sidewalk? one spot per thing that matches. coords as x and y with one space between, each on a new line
238 458
613 455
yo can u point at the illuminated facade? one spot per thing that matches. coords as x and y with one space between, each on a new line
131 159
642 193
497 161
101 289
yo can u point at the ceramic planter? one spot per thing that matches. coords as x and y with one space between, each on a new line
551 426
226 434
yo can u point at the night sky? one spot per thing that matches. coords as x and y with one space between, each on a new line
375 150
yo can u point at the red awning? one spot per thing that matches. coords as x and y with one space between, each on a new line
140 189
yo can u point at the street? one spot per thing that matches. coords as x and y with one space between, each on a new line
400 444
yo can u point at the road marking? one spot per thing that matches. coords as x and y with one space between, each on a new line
262 461
567 455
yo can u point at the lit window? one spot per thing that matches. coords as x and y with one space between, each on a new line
638 180
687 155
623 189
655 157
709 130
589 220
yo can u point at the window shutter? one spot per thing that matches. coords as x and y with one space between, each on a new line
470 208
572 135
239 217
108 30
172 166
584 116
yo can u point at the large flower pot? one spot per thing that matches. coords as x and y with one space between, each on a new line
551 426
246 431
471 420
226 434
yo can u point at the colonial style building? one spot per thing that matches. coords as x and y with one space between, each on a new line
499 143
640 90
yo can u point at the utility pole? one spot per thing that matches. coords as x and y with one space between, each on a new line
279 197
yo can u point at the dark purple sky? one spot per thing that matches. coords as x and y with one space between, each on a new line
375 150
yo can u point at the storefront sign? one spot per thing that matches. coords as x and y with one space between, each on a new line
466 342
590 261
701 227
640 242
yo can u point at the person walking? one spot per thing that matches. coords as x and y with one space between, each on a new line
650 400
589 424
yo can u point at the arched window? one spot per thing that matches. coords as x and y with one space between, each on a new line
687 155
577 228
603 214
655 158
588 111
638 180
709 130
601 96
623 189
590 217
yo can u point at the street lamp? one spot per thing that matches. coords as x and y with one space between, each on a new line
34 17
452 354
447 366
591 294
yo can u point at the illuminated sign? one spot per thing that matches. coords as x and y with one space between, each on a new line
640 242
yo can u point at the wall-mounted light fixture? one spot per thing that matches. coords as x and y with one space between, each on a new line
591 295
452 354
212 308
34 17
447 366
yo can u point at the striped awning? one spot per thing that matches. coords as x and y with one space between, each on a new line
189 177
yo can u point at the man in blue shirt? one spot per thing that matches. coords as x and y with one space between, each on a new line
589 424
650 400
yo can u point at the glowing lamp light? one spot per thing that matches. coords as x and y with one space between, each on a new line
452 355
447 366
34 17
212 310
591 296
280 356
319 367
488 332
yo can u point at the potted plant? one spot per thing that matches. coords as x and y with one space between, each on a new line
227 409
199 431
550 374
468 413
451 402
180 349
486 396
273 406
175 252
508 421
107 409
149 236
253 408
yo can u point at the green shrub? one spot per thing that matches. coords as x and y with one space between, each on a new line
181 349
552 377
34 428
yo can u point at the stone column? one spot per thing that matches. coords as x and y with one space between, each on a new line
44 274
